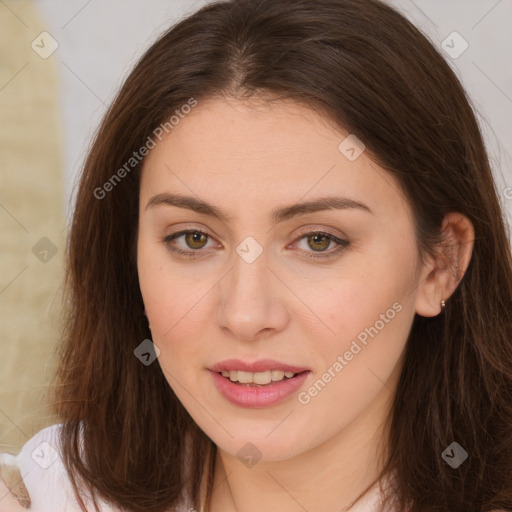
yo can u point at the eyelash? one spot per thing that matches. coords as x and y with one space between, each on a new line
342 244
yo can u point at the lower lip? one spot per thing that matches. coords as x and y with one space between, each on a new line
254 396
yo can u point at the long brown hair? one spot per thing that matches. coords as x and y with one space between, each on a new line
365 67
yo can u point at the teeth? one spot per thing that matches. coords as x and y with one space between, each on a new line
259 378
244 377
278 374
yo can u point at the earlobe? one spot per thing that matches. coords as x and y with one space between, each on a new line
442 274
431 295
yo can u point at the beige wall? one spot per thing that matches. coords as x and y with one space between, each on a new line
32 225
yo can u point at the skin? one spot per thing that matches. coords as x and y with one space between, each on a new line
8 503
247 160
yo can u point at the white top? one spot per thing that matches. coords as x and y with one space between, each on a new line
50 490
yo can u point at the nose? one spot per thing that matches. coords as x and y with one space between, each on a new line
251 300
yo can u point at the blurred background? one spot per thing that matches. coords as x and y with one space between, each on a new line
61 62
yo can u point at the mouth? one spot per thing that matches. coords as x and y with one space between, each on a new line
262 383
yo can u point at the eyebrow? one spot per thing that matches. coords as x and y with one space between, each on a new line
277 214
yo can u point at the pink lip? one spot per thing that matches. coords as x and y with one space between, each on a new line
257 366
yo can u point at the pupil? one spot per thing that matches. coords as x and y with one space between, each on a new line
194 238
316 239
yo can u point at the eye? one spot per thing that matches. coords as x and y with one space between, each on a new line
196 240
320 241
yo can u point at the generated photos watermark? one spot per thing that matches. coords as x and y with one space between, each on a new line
305 397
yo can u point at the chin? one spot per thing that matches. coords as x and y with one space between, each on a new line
261 445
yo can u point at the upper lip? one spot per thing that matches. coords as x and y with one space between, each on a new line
261 365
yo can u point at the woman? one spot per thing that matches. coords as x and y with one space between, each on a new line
289 278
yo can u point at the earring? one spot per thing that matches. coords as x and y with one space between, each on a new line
443 304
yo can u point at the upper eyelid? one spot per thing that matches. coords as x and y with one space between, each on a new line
314 228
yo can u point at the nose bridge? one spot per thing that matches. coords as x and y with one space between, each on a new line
248 303
247 283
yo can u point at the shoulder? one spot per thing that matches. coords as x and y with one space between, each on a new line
36 477
9 501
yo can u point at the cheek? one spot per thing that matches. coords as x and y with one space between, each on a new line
368 330
161 285
369 314
358 363
174 303
365 298
155 283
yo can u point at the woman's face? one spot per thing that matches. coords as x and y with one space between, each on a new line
258 288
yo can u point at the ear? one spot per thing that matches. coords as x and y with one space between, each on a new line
442 273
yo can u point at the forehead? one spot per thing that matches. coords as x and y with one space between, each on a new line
231 129
255 153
